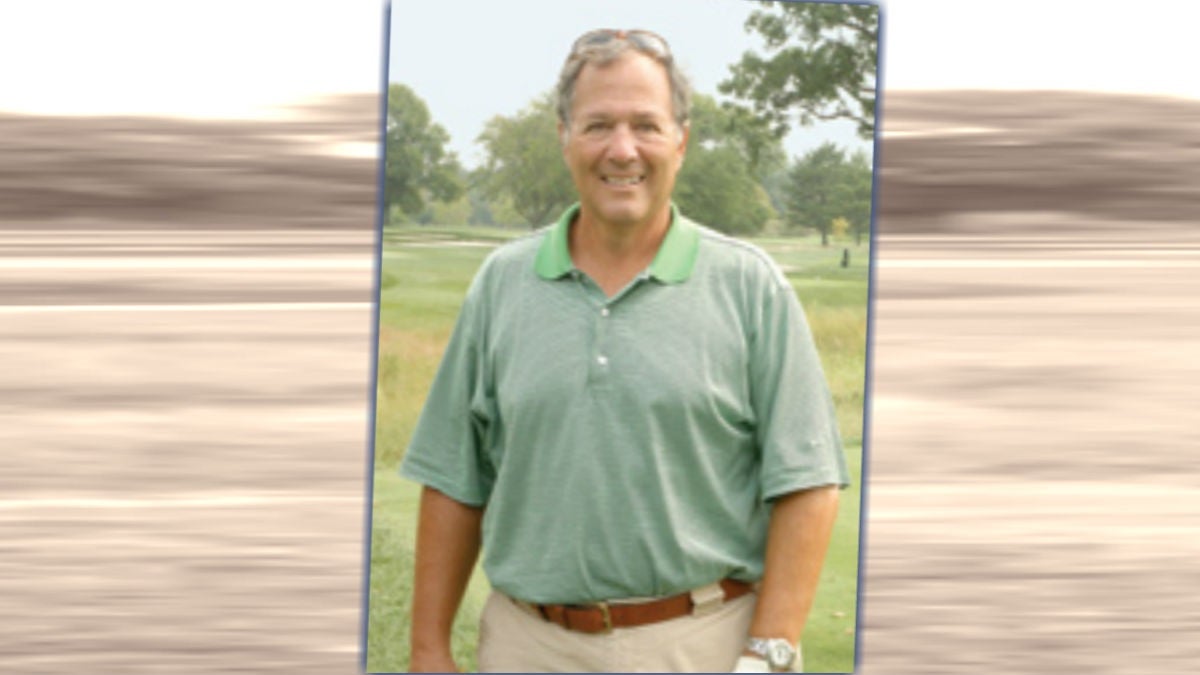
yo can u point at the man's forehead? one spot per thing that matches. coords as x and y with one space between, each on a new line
599 110
637 60
600 91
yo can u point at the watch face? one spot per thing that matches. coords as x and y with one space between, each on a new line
780 654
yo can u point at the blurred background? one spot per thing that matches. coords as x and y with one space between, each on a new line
188 215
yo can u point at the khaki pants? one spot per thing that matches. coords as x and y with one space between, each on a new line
513 639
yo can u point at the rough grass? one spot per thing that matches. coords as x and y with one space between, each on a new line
425 274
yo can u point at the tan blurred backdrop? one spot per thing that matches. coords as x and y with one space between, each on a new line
185 338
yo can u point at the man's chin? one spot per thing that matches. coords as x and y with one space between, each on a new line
624 217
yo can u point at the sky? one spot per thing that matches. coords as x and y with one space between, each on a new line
510 52
472 59
1146 47
217 58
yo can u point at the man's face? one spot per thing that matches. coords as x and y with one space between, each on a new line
623 147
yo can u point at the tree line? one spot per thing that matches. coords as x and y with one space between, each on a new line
817 63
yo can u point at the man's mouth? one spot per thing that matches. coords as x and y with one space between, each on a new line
623 181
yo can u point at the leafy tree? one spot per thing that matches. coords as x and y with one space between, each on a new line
729 152
417 165
776 185
858 195
819 64
714 123
524 163
825 185
717 188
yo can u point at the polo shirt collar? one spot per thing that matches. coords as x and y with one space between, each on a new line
672 264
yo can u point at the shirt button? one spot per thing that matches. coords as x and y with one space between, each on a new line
602 360
604 312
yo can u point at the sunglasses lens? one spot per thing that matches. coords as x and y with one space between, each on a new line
643 40
598 37
649 42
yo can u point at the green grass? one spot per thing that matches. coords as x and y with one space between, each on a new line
426 271
393 531
828 642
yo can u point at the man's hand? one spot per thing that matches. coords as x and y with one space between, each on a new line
751 664
432 663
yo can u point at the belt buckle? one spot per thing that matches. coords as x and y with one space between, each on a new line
605 615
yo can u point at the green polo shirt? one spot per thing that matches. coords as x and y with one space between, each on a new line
626 446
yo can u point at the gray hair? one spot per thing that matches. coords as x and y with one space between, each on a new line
604 53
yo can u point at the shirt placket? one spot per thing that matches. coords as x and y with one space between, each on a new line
600 308
605 353
602 352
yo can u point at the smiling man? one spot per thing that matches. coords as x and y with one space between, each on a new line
630 420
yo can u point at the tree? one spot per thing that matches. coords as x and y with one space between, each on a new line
724 124
417 165
824 186
858 195
820 64
716 187
524 163
728 154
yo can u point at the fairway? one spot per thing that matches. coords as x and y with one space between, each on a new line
424 276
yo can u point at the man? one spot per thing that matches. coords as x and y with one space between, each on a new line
630 419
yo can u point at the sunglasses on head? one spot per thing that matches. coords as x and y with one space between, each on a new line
646 41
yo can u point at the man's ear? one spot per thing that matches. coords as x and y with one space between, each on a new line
562 134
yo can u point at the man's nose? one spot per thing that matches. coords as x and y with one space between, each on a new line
622 145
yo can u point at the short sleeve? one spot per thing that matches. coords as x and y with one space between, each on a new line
796 429
447 450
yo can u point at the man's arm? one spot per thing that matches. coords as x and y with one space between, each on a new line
448 541
797 538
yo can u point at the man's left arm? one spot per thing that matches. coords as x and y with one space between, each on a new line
797 539
803 467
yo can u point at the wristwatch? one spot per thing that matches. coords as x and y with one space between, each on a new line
779 653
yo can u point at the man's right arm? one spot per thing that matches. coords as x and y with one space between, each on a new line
448 542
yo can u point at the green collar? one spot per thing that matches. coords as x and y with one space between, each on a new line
672 264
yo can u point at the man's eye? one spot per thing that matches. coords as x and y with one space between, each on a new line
595 126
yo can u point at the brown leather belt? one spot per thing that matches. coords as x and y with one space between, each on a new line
602 617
